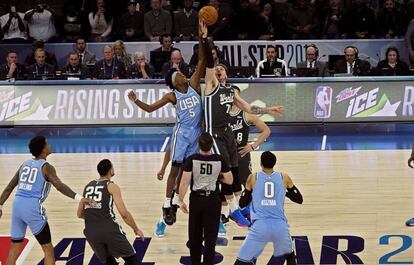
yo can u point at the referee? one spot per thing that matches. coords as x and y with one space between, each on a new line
201 172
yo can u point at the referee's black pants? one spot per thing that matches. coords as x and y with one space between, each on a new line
204 221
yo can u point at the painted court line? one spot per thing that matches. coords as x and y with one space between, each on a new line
164 145
323 146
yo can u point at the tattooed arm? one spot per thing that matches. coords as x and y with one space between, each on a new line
242 104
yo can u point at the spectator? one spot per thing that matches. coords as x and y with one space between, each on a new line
247 22
271 66
157 21
392 63
312 60
140 69
302 20
41 68
50 57
13 26
166 44
409 40
351 64
175 62
12 69
222 30
109 67
218 57
72 26
332 20
101 22
85 57
121 54
266 20
131 24
359 21
40 21
391 21
74 68
186 22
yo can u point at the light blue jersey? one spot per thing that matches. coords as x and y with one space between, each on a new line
32 183
269 223
32 190
187 129
188 108
268 197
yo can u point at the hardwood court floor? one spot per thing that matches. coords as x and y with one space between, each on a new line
364 194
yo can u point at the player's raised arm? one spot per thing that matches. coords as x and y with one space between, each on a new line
201 64
210 79
242 104
123 211
167 98
8 190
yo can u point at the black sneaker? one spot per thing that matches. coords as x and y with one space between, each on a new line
168 217
224 219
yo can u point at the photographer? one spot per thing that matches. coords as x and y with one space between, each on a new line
40 21
13 27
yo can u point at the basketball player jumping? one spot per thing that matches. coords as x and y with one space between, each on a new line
33 181
219 98
186 97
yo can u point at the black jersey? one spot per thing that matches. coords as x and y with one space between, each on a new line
240 127
217 107
102 212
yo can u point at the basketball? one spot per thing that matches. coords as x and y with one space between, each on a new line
209 15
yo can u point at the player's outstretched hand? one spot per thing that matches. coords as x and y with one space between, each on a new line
183 207
140 234
160 174
202 29
411 162
132 96
276 110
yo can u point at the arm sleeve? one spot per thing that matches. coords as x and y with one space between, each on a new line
189 165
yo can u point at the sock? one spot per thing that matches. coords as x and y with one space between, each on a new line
233 205
167 202
225 210
175 199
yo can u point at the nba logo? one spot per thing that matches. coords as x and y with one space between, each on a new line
323 102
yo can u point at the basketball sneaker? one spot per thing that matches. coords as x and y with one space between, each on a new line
238 217
168 215
222 230
160 229
410 222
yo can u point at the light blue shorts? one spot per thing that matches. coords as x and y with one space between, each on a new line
184 143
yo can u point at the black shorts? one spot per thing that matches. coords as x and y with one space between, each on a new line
225 145
245 168
108 240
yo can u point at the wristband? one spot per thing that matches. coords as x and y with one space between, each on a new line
78 197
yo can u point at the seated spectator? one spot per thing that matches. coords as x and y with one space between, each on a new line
312 60
186 22
131 24
359 21
157 21
247 22
72 26
50 57
302 20
351 64
121 54
331 24
85 57
12 69
266 24
101 22
175 62
40 69
222 30
109 67
391 21
40 22
409 40
392 65
140 69
74 68
13 26
166 44
271 66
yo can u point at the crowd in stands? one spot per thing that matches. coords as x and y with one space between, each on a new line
148 20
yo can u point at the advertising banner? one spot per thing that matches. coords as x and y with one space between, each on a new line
108 104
